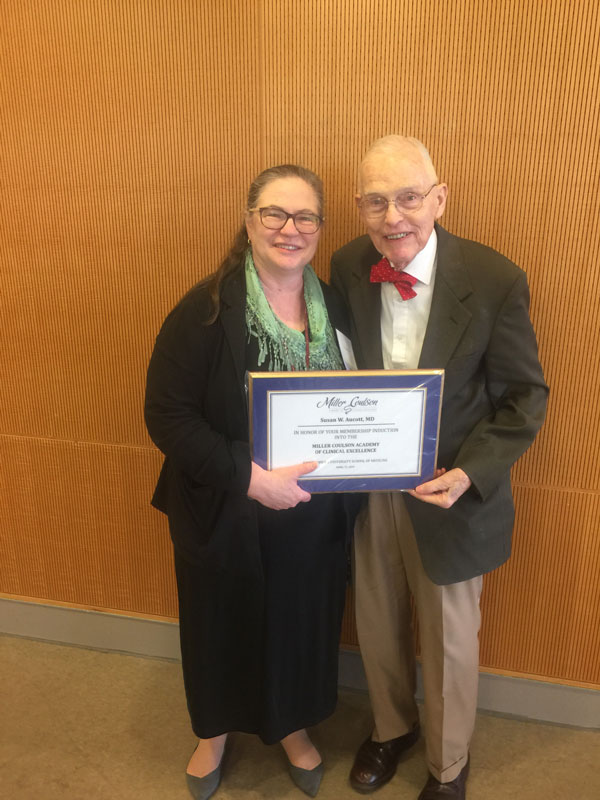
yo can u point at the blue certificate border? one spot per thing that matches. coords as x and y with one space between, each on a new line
263 385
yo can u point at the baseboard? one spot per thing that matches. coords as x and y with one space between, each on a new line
507 695
520 697
94 629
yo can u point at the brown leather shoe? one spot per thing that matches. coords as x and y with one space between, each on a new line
454 790
376 762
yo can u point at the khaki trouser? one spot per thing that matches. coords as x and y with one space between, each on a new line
387 570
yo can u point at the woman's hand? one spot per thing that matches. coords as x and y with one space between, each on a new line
278 488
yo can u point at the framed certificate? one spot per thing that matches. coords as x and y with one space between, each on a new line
369 430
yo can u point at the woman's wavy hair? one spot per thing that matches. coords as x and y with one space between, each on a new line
236 253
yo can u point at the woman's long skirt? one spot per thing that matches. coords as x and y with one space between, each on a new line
285 678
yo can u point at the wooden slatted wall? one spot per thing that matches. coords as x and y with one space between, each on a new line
130 133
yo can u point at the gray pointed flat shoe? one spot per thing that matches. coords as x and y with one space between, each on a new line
204 787
308 780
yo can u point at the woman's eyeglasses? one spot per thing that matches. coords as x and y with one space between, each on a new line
276 218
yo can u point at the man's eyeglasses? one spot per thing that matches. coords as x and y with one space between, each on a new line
276 218
375 206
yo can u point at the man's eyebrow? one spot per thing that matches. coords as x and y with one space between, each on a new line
395 191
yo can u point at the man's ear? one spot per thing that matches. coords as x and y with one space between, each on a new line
441 195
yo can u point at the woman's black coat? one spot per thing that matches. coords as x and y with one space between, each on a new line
197 414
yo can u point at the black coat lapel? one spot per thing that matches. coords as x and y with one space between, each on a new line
233 320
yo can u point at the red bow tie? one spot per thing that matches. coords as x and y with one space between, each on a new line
384 273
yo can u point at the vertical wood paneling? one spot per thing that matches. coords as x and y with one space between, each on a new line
131 132
81 529
548 592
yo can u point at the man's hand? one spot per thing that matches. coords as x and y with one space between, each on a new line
278 488
445 489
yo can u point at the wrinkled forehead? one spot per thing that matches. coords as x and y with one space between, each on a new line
384 172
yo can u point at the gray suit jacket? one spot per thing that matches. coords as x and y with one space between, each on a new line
494 403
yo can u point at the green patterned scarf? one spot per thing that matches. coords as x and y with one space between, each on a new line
281 348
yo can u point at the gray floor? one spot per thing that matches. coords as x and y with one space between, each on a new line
85 725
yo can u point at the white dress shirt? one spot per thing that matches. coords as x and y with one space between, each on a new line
404 322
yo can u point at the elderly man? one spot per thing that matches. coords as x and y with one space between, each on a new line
420 297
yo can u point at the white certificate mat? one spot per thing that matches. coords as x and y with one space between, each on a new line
350 433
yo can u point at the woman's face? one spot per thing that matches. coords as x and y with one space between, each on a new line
285 251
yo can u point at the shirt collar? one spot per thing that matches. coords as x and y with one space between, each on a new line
421 267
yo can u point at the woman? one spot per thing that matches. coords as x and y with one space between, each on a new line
260 564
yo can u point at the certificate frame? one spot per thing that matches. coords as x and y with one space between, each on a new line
402 446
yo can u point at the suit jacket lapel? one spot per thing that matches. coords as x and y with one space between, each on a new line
448 316
364 298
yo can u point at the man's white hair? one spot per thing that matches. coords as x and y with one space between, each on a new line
394 145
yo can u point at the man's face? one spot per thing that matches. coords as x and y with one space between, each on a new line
400 235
